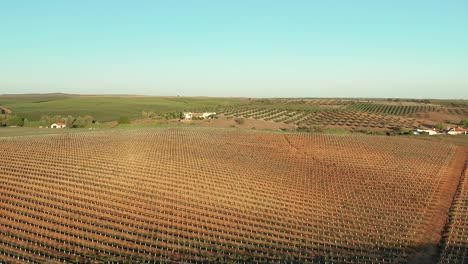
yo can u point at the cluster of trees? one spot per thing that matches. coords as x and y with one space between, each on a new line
172 115
169 115
70 121
13 120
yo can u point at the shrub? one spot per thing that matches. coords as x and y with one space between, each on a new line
404 131
79 122
240 121
15 121
464 123
89 119
440 126
69 121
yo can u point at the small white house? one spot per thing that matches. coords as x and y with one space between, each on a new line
187 115
429 131
208 114
205 115
457 131
58 125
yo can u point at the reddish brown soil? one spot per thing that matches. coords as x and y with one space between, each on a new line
453 246
223 122
439 117
213 195
439 218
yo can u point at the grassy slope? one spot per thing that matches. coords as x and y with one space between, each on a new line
107 108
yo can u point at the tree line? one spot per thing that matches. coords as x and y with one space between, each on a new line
70 121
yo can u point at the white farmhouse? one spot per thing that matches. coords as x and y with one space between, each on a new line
429 131
188 115
58 125
457 131
208 114
205 115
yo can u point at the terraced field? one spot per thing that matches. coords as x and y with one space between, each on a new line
215 195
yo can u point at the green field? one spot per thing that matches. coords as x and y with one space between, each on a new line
104 108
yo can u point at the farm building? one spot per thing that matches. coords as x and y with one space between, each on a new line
205 115
4 110
58 125
429 131
457 131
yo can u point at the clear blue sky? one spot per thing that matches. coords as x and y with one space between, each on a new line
252 48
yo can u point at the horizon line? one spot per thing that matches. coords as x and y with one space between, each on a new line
207 96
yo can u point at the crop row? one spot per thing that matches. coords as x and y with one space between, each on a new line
208 195
455 241
333 117
388 109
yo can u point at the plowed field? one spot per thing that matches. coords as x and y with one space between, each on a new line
214 195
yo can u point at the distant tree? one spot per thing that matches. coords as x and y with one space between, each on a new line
144 114
46 119
440 126
89 119
3 119
303 129
464 123
15 121
240 121
26 123
80 122
58 118
69 121
124 120
404 131
173 115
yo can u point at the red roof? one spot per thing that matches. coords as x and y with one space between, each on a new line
60 124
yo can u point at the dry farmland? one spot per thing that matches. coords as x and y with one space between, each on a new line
215 195
455 243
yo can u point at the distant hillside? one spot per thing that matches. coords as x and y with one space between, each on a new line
107 108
